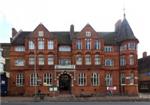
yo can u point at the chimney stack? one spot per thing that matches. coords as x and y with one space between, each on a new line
14 32
72 29
144 54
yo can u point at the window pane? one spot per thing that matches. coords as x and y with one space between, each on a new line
51 44
31 45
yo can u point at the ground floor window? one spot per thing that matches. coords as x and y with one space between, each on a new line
33 79
95 79
108 79
48 79
19 79
82 79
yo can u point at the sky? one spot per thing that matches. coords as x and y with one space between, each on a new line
58 15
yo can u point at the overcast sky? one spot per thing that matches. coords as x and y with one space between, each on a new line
58 15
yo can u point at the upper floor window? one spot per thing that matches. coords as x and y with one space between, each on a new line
31 45
131 78
19 62
40 33
123 47
88 34
64 48
40 43
132 46
78 59
20 48
108 79
97 59
131 59
87 59
122 78
82 79
88 44
95 79
47 79
20 79
97 44
33 79
31 60
122 61
78 45
50 60
65 61
108 48
108 62
41 60
50 44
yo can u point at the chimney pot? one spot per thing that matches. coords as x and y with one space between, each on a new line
144 54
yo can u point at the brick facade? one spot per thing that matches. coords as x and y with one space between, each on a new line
65 73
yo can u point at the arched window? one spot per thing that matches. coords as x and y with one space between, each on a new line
122 78
108 79
97 59
41 43
95 79
87 59
108 62
50 44
78 59
78 45
33 79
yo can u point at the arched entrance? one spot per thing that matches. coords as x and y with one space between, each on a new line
65 83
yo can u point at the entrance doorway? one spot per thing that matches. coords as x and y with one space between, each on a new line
65 83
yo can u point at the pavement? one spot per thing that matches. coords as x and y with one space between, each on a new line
141 97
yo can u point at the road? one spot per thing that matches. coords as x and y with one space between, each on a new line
75 103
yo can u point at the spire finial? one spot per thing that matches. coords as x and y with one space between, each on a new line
124 14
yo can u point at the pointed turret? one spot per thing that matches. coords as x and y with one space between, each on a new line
125 32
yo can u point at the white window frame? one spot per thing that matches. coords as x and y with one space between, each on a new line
65 48
31 59
131 79
78 59
123 79
97 60
19 62
97 44
47 79
31 45
109 62
95 79
88 59
108 79
82 79
50 45
41 60
19 48
50 59
34 79
41 43
79 45
41 33
122 60
20 80
88 44
108 49
131 59
88 34
132 46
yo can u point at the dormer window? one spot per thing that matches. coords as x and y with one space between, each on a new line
88 33
40 33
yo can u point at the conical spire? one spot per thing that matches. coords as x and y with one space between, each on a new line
125 32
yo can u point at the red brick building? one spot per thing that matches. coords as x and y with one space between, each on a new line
78 63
